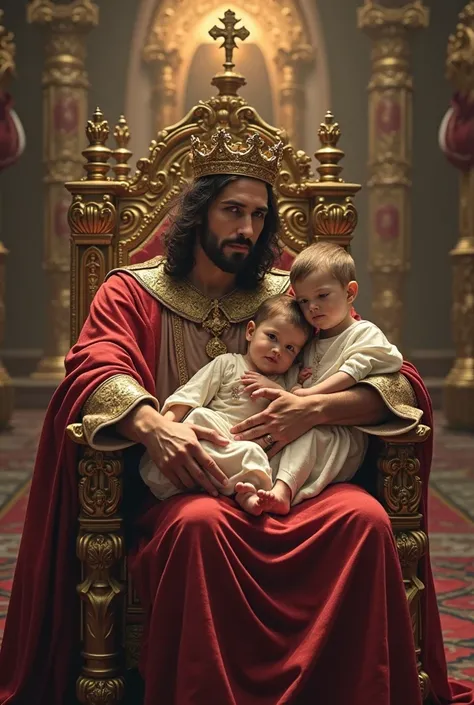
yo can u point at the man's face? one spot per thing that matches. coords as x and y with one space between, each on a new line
235 221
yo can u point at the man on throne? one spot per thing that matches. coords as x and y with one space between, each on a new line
240 610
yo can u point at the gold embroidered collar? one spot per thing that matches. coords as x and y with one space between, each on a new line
181 297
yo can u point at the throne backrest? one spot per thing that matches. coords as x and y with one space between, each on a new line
116 221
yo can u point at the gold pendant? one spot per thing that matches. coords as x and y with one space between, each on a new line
215 324
215 347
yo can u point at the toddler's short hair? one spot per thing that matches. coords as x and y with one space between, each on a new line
284 305
324 257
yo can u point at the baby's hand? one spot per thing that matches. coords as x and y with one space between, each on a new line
304 374
254 381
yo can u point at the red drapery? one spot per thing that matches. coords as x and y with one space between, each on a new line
40 648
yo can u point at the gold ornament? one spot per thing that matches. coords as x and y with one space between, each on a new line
215 323
256 160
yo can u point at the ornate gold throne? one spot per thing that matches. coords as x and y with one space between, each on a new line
114 221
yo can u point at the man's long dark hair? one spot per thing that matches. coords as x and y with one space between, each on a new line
191 215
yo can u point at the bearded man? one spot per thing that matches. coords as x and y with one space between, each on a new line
241 610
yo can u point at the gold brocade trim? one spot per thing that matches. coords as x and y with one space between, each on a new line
111 402
178 334
181 297
398 395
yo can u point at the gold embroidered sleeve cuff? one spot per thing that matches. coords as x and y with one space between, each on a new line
108 405
399 397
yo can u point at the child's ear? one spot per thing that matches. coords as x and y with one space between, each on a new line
352 291
249 333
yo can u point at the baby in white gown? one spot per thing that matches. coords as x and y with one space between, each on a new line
215 397
344 352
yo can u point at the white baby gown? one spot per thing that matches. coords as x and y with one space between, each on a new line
328 454
218 400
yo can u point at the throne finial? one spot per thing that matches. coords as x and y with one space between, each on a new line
229 82
97 153
329 155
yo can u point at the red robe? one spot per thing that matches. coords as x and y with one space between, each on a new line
244 611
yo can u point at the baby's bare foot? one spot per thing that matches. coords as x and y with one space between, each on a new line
246 496
276 500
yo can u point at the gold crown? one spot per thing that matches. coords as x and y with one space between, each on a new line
257 160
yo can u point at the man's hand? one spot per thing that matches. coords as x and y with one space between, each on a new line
285 419
253 381
175 448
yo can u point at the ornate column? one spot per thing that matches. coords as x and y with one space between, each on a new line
459 384
65 87
293 65
7 67
390 154
163 67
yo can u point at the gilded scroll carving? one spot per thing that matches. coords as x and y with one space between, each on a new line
401 484
100 549
100 487
100 692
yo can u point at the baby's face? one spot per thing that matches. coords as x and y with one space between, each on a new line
324 301
274 344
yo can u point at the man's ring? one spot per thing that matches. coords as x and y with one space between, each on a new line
268 441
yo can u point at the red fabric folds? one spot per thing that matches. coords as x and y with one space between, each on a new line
40 645
293 610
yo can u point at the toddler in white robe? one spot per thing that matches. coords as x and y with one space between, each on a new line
344 352
216 398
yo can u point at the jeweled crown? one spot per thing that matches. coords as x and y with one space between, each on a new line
254 159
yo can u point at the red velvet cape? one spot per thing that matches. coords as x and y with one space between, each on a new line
39 654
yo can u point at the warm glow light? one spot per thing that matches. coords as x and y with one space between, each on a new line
201 32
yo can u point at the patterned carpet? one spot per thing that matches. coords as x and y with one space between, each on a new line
451 527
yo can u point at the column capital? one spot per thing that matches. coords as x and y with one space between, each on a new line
460 54
376 17
7 52
79 14
297 57
156 55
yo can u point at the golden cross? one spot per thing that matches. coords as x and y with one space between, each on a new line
229 34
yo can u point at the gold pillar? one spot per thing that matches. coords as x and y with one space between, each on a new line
293 65
459 384
163 67
390 155
7 68
65 87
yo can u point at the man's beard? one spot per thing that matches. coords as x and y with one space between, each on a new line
230 263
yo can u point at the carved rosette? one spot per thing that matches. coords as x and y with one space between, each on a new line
459 384
390 153
65 86
100 549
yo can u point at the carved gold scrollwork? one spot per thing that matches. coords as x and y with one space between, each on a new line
295 223
401 484
100 549
100 692
334 219
94 271
100 487
92 218
411 547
